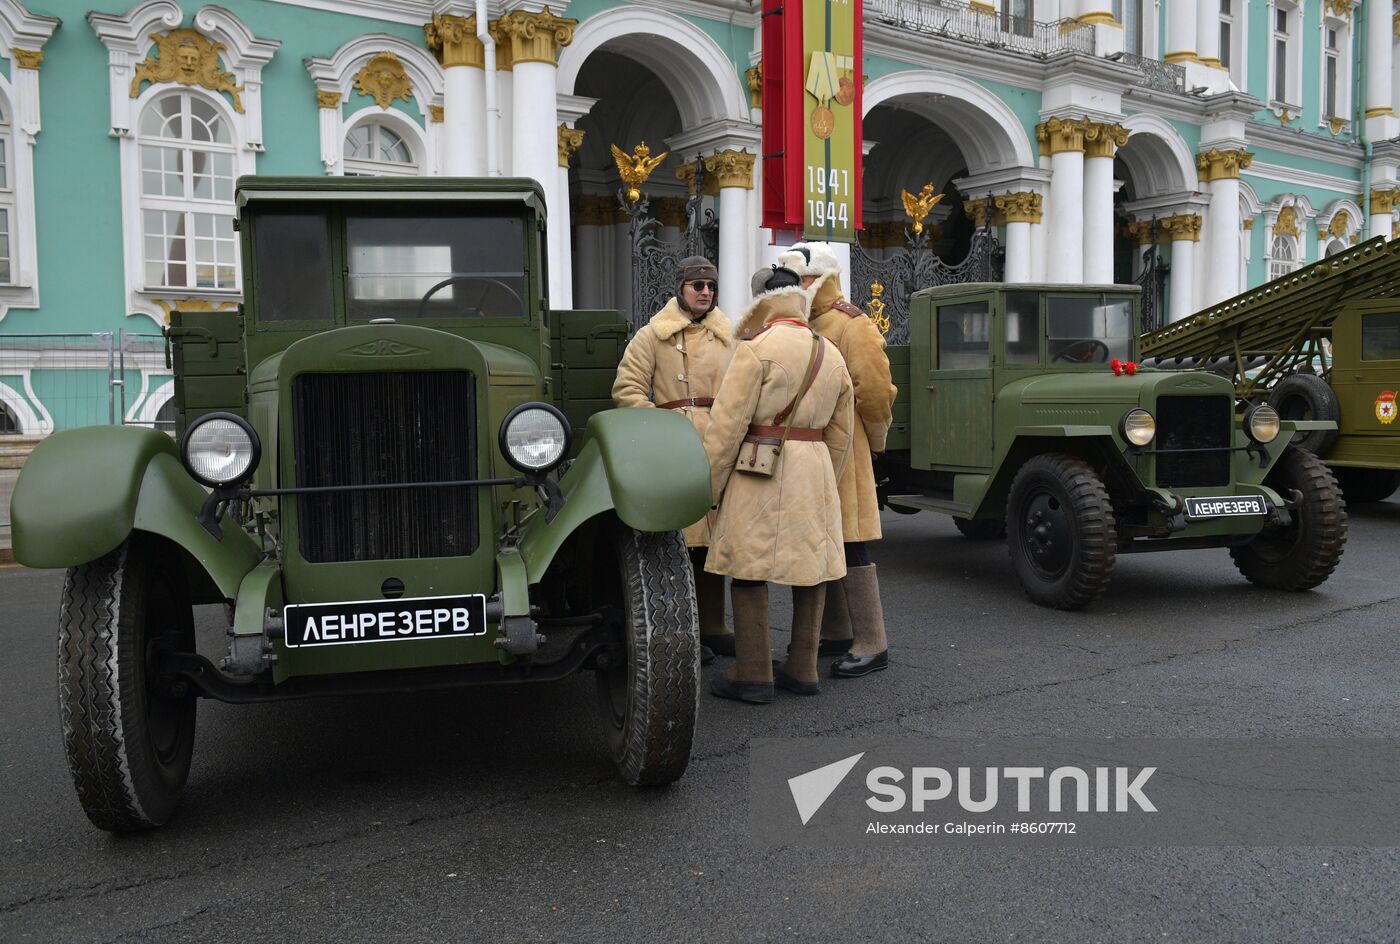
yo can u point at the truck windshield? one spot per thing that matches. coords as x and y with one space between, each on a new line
472 266
1089 330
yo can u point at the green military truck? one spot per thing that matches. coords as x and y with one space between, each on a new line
397 469
1319 343
1022 413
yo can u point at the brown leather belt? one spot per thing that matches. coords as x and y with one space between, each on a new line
772 435
689 401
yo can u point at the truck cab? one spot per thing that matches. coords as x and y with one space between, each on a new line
1029 417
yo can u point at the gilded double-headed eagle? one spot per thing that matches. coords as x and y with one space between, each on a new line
635 168
917 208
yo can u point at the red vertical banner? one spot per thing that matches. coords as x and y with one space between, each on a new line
813 90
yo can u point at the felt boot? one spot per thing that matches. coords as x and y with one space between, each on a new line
709 597
751 677
799 672
870 649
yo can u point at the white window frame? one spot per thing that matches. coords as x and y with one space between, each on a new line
183 204
1238 19
1293 56
1324 224
1343 56
1294 245
128 42
334 75
397 122
21 31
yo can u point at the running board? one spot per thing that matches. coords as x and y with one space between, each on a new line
931 503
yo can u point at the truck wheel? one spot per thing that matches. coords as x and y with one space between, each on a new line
980 529
1307 397
649 698
128 737
1360 486
1061 531
1302 555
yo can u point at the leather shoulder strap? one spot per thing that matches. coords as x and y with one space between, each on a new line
847 308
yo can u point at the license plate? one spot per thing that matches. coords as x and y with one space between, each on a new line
344 624
1225 507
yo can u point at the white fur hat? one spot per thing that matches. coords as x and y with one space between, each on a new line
810 259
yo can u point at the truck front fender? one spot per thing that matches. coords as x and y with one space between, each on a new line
647 465
81 492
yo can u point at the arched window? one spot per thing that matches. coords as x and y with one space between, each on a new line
1283 257
9 423
1334 247
373 149
187 174
165 416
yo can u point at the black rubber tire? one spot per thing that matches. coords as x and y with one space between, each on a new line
650 703
1362 486
1060 531
981 529
129 744
1304 554
1307 397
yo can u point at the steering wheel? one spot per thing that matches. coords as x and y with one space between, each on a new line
1087 351
487 285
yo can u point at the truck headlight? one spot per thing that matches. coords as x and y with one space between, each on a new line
220 449
1261 423
535 437
1137 426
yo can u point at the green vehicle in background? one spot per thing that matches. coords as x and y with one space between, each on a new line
397 469
1021 413
1321 343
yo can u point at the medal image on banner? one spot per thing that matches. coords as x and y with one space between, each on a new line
829 150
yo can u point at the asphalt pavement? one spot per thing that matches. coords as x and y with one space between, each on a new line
495 816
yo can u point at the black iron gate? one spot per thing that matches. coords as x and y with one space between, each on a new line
894 280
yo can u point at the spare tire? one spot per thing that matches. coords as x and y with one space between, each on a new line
1307 397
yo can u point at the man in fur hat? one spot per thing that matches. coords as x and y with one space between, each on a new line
675 363
854 621
779 434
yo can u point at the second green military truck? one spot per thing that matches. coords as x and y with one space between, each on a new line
1022 413
395 470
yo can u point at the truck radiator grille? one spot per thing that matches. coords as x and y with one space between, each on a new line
1194 423
378 429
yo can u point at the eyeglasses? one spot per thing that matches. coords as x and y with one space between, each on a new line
703 286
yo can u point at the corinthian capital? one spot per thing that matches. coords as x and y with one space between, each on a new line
732 168
1222 165
1061 134
452 39
1022 207
1101 139
1181 227
570 140
535 37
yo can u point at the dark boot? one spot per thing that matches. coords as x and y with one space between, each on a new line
751 677
836 622
709 597
870 649
799 672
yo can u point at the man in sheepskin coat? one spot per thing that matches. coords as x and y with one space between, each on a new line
675 363
853 619
784 528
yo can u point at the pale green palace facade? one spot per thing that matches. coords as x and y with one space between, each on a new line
1245 137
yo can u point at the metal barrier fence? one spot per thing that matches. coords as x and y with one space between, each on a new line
52 382
960 21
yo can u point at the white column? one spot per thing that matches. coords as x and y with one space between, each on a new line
561 293
1184 231
1222 171
1065 251
1022 213
1038 252
453 40
1208 31
1098 201
1380 220
733 171
1181 31
1381 122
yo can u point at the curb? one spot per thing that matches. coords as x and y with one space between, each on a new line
7 556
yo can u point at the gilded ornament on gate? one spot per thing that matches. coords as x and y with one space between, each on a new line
917 208
635 168
383 78
875 308
186 57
